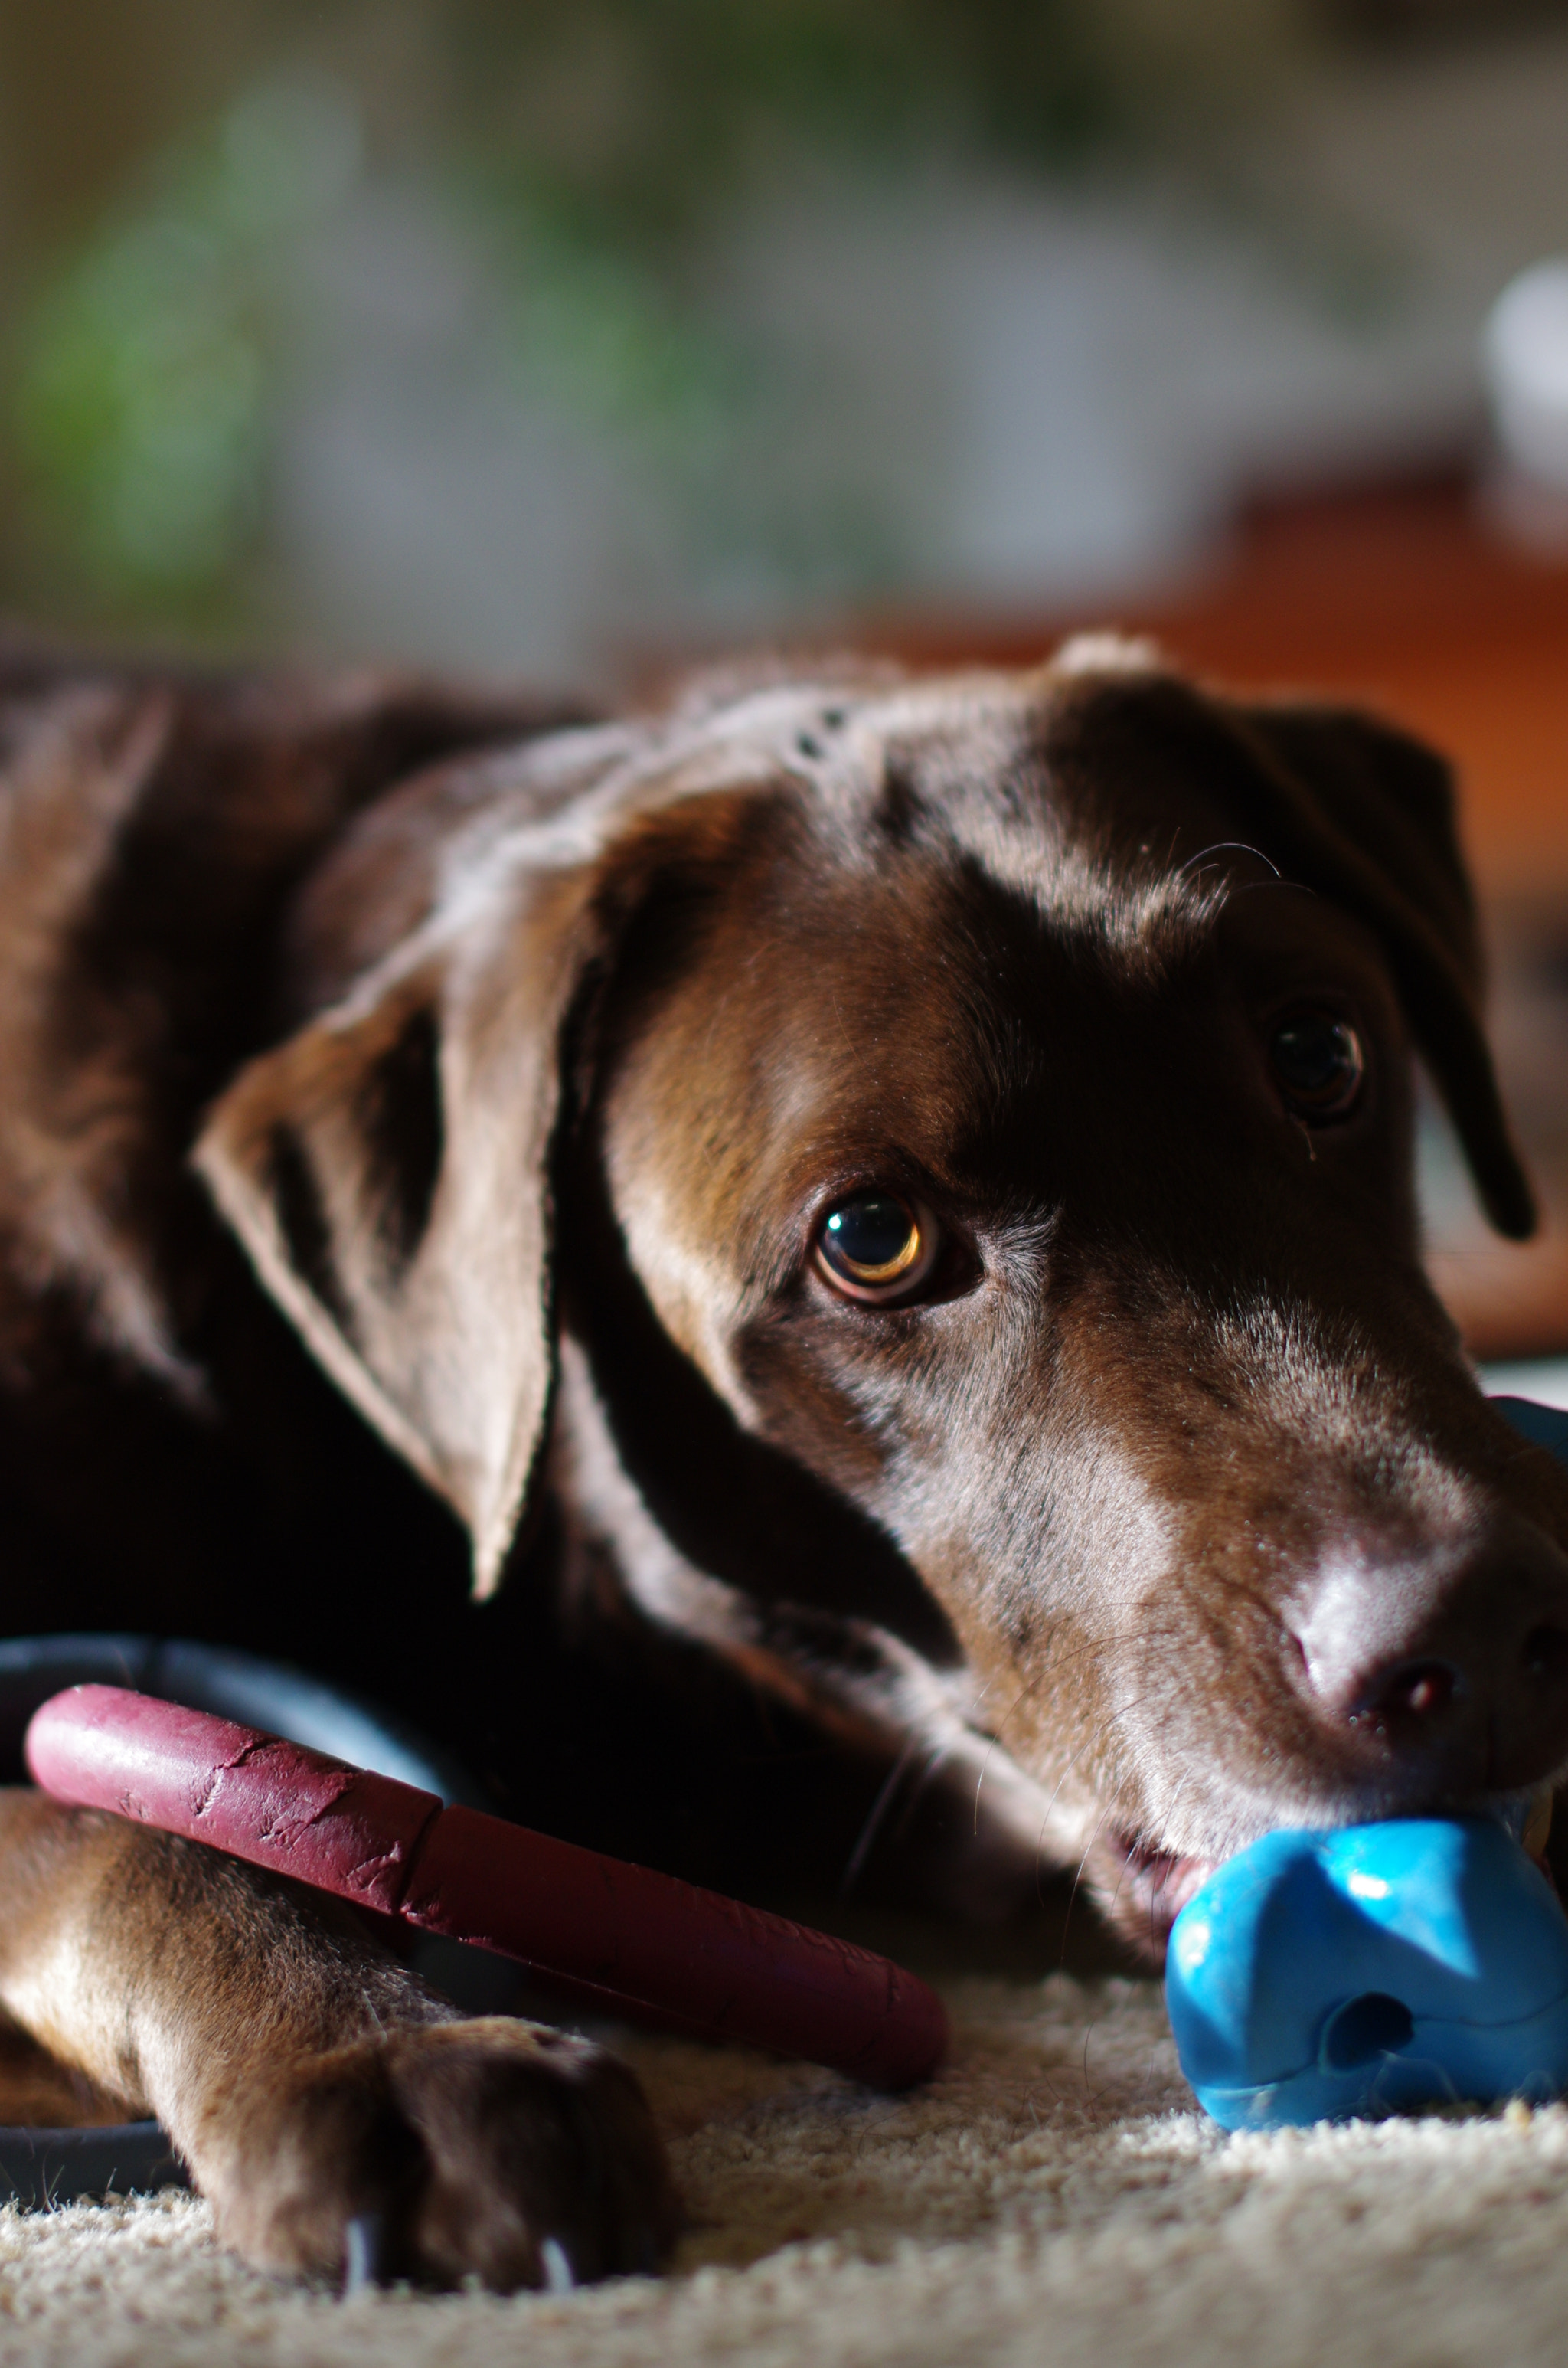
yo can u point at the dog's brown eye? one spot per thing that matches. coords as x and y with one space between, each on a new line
1318 1064
876 1245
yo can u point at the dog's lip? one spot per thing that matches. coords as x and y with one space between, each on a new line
1159 1882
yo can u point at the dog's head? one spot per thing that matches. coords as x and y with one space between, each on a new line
966 1127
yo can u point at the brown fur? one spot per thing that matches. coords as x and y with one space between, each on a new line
508 1071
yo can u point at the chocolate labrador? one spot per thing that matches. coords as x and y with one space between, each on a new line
884 1209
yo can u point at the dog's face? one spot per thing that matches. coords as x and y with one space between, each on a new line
999 1098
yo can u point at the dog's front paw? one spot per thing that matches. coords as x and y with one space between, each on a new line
492 2147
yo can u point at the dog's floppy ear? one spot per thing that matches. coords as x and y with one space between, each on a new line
1364 815
1367 815
387 1169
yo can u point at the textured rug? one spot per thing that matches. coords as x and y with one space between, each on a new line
1051 2198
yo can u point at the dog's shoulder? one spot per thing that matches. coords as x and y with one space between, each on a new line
156 824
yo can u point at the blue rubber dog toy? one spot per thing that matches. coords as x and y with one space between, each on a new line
1319 1976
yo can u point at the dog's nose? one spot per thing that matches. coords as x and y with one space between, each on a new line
1443 1673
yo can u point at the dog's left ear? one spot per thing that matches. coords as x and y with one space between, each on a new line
388 1167
1367 815
1360 813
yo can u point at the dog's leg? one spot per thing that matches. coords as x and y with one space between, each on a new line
329 2102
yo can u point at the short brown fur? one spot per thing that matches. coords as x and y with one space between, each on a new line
420 1107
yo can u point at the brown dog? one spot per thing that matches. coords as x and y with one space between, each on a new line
899 1189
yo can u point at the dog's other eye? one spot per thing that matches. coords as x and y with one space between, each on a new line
1318 1064
876 1245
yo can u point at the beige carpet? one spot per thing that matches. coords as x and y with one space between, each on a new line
1052 2199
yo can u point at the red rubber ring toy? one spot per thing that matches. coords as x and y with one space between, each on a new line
618 1935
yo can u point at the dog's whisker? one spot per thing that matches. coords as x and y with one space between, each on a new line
994 1743
1100 1824
934 1760
1280 887
1228 847
1039 1855
1154 1935
854 1864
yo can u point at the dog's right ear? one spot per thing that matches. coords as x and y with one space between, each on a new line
387 1169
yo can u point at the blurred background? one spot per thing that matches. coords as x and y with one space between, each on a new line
572 338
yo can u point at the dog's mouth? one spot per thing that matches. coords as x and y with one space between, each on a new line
1150 1887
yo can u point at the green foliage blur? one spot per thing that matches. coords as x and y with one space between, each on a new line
171 160
632 119
144 366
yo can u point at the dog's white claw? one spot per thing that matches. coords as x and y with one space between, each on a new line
363 2245
557 2267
